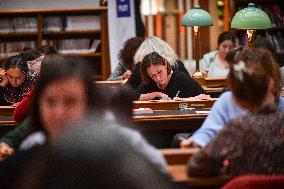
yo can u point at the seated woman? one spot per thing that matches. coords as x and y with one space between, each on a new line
252 144
154 44
213 64
16 80
126 59
160 81
34 58
254 81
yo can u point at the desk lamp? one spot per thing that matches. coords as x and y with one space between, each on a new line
251 19
197 17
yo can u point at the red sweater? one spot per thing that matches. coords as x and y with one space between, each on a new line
22 110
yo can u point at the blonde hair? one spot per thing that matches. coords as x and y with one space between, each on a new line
155 44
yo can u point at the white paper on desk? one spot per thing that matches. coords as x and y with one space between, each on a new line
203 111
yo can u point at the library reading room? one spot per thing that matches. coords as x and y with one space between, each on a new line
142 94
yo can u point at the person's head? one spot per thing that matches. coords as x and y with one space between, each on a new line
233 54
33 58
46 49
254 78
122 103
16 69
155 44
126 54
64 94
155 67
30 54
225 43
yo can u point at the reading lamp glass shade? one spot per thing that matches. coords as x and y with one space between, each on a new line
197 17
251 18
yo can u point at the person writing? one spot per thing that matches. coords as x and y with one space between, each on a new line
160 81
213 64
154 44
15 81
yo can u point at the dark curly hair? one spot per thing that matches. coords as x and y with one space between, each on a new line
252 144
128 51
17 61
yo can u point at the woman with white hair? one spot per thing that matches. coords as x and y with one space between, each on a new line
154 44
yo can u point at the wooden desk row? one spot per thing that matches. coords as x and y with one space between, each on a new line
6 110
169 119
160 119
177 159
173 105
179 174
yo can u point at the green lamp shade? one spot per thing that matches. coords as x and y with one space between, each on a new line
197 17
251 18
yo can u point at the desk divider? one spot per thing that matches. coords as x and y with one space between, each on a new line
173 105
7 110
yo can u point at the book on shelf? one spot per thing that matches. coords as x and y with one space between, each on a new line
25 24
88 22
78 45
13 48
52 23
6 25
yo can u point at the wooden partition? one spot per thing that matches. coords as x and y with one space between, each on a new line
172 105
111 84
215 82
179 174
6 110
175 156
177 169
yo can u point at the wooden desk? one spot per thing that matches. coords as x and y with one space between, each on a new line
179 174
211 90
160 127
7 110
169 119
176 156
6 124
111 84
172 105
215 81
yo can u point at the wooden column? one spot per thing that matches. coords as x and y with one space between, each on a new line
227 15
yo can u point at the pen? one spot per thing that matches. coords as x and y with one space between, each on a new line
177 94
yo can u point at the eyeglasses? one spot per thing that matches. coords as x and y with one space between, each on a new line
158 74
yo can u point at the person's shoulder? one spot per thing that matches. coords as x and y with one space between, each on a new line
225 98
226 95
281 103
129 133
180 75
210 54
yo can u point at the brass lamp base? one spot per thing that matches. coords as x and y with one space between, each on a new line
197 76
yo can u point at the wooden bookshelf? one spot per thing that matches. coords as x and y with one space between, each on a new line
41 36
